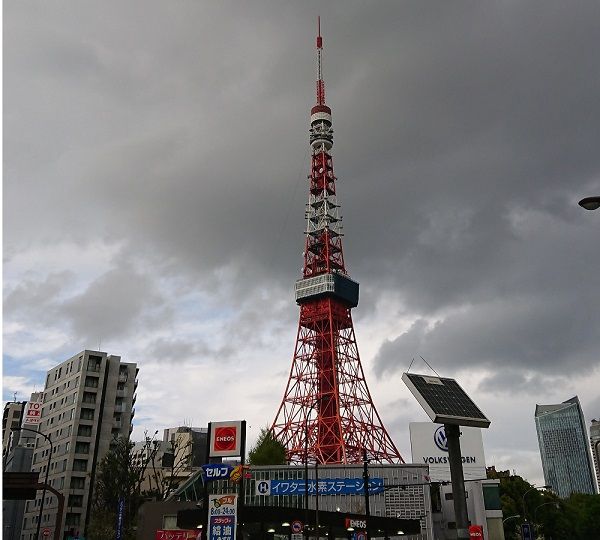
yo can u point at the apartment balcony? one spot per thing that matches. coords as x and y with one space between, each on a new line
117 424
120 408
123 377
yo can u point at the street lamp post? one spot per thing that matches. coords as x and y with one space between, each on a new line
306 511
516 516
39 523
590 203
536 509
523 498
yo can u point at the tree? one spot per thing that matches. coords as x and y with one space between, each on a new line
267 450
574 518
117 477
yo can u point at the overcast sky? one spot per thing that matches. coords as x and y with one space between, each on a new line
155 161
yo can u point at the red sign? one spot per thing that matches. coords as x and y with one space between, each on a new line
356 523
225 438
45 532
296 527
476 531
176 534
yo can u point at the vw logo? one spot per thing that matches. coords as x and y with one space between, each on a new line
440 440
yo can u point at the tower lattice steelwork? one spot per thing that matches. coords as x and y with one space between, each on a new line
327 413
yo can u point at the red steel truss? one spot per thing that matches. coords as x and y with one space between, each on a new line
327 414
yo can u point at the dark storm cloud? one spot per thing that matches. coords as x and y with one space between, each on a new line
548 333
465 134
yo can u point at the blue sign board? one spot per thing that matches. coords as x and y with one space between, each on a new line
527 531
326 486
120 515
216 471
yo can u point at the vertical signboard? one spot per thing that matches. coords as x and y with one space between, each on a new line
120 516
222 517
33 410
526 531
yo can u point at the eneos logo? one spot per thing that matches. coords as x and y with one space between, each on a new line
440 439
225 438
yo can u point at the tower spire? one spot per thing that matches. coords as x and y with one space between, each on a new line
327 412
320 81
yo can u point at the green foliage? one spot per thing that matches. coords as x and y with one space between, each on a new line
116 478
267 451
575 518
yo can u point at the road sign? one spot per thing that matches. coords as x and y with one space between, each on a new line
263 487
45 532
296 527
526 531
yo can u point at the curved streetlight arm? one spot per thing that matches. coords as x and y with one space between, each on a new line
555 503
523 498
516 516
39 523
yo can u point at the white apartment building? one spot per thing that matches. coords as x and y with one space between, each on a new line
88 401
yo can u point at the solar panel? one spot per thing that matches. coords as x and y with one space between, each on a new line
445 401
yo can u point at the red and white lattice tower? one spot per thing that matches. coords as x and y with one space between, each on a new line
327 413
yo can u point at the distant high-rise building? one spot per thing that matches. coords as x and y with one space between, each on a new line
88 401
564 448
595 445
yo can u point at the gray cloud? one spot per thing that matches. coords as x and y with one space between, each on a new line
115 304
465 134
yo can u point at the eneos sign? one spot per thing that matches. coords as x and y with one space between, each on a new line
476 531
225 439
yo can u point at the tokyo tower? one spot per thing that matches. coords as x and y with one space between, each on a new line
327 414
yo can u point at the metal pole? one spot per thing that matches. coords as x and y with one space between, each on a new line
366 485
458 481
317 498
39 523
306 477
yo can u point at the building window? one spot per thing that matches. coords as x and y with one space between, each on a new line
82 448
91 382
89 397
75 501
77 482
80 465
86 414
84 431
